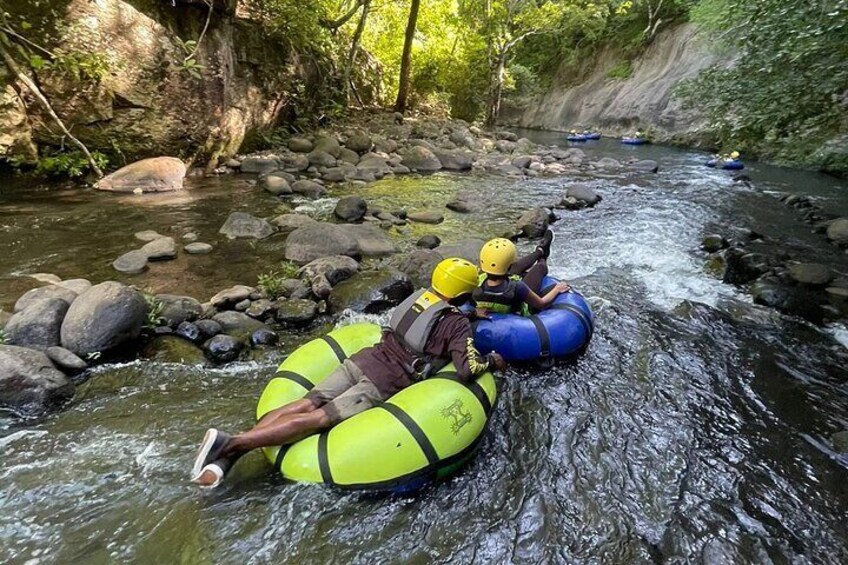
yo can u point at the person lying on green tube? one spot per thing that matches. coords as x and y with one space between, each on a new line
425 330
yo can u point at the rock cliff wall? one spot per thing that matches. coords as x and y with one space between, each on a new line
644 99
147 103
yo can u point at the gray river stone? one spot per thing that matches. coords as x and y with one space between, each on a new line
241 224
198 248
223 348
29 383
371 292
426 217
421 159
147 235
300 145
296 311
66 360
102 318
335 268
350 208
161 249
178 309
229 297
30 297
320 240
533 222
37 326
132 262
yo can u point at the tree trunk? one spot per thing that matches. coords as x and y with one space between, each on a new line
354 48
496 89
406 57
19 74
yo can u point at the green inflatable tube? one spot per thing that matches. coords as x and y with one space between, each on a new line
425 431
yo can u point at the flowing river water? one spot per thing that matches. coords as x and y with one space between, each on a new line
695 428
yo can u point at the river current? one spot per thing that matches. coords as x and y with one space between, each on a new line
695 427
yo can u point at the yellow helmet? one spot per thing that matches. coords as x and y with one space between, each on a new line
734 155
454 277
497 256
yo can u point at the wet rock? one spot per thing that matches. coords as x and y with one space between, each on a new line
335 268
521 162
507 135
102 318
37 326
350 208
173 349
744 267
29 383
505 146
840 441
237 324
260 309
371 292
454 160
320 286
198 248
426 217
295 164
263 337
320 240
241 224
580 196
421 159
838 297
276 185
308 188
340 173
223 348
30 297
360 142
190 331
468 249
608 163
296 311
428 241
386 146
178 309
417 265
645 166
524 145
229 297
465 203
794 301
132 263
148 235
161 249
812 274
328 144
287 223
157 174
65 360
713 242
300 145
321 159
370 240
208 328
462 138
533 222
259 164
837 231
374 165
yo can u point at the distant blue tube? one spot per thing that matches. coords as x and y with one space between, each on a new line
564 328
730 165
592 136
577 137
634 140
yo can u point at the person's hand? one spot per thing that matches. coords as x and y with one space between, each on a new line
496 360
562 287
480 314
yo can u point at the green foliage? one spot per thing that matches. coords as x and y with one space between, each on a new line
3 337
154 311
621 71
70 164
272 282
79 65
785 92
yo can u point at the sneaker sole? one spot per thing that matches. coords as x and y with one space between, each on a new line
205 447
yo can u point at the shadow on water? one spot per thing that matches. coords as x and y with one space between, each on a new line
695 428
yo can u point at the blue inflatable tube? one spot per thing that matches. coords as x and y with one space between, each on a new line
564 328
634 140
578 137
592 136
731 165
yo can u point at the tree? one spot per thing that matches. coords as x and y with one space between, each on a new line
504 24
406 57
354 49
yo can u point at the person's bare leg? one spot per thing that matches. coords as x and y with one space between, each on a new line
301 406
284 430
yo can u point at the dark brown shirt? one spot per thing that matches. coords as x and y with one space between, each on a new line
387 363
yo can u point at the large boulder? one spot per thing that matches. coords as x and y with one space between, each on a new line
371 241
421 159
300 145
320 240
428 241
241 224
38 326
359 141
238 324
328 144
454 160
173 349
65 360
811 274
259 165
580 196
287 223
373 164
276 185
350 208
131 263
468 249
533 222
348 156
295 163
29 383
102 318
645 166
296 311
44 293
837 231
321 159
223 348
157 174
160 249
308 188
418 265
371 292
229 297
178 309
335 268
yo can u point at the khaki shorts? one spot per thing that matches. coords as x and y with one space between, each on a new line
345 393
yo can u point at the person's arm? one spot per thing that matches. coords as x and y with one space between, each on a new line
541 302
467 360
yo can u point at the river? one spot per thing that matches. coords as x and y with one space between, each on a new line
695 428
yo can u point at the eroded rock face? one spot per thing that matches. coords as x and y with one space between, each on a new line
157 174
102 318
29 383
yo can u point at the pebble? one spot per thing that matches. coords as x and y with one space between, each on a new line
198 248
